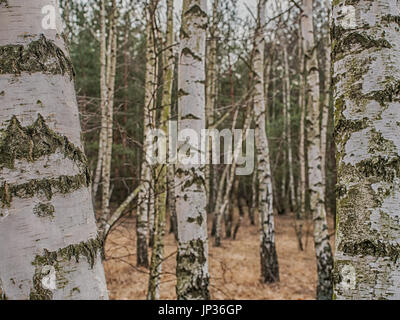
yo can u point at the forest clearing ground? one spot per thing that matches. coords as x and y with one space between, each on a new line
234 267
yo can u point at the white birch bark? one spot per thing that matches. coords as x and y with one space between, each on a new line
107 157
48 239
211 88
317 201
162 183
192 259
366 77
326 104
288 128
302 160
103 100
269 259
146 204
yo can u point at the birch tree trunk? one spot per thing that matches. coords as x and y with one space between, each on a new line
366 60
103 99
171 198
49 245
283 193
326 105
222 202
107 157
317 201
66 17
211 88
302 183
192 259
269 259
168 77
288 128
145 194
254 195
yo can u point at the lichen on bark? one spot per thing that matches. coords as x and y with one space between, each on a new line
40 55
191 257
367 93
33 142
91 250
44 188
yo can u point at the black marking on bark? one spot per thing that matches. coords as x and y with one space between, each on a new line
190 116
89 249
182 93
43 187
368 247
44 210
345 126
38 292
33 142
388 94
196 11
269 261
385 168
199 220
188 52
41 56
391 18
344 43
192 257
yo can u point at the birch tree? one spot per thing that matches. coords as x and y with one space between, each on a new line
288 125
192 259
317 200
145 203
228 176
326 101
103 98
211 88
302 160
366 62
48 239
161 192
107 157
268 255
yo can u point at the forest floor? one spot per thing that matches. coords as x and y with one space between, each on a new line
234 267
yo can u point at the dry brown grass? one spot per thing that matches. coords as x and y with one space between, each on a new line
234 267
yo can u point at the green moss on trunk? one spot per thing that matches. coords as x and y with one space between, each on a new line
188 259
41 55
33 142
44 187
89 249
